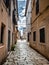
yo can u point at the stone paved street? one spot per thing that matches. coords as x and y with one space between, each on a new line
24 55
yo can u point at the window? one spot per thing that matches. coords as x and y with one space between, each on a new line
9 33
2 32
42 35
37 7
9 11
28 36
13 17
34 36
6 3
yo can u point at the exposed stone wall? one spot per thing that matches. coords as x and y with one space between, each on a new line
41 21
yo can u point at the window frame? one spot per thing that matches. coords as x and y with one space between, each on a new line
2 33
34 36
43 40
37 7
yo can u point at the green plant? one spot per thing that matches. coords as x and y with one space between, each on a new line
13 47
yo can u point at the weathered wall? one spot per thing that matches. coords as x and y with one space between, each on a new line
41 21
4 20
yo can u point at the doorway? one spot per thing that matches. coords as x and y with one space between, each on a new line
8 40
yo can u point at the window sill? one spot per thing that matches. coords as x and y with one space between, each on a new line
1 45
34 42
42 44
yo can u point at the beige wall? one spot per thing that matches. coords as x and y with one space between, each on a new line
7 21
41 21
4 20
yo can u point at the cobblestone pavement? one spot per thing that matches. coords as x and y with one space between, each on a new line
24 55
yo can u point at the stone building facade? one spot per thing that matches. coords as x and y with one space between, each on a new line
3 27
28 18
7 26
39 39
14 18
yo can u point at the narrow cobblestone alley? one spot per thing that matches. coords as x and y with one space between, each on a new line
24 55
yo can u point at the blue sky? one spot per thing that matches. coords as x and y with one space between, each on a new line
21 12
21 6
21 0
